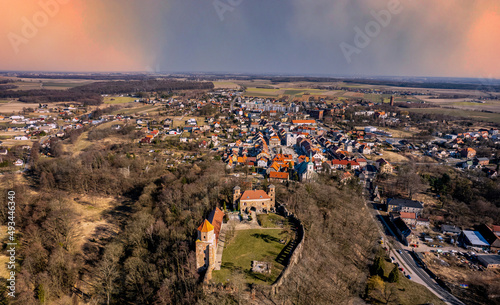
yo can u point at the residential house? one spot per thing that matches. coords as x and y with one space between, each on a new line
448 229
404 205
490 237
383 166
468 153
279 176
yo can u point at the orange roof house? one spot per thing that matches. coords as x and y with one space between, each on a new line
279 175
301 122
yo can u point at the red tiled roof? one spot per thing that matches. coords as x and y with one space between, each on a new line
303 121
278 175
254 195
408 215
216 218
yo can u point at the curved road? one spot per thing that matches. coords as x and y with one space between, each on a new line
406 258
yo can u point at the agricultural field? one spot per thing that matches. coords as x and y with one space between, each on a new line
15 107
465 103
112 100
250 245
140 109
226 85
466 114
262 92
292 92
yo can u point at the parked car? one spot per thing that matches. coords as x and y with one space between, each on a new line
409 277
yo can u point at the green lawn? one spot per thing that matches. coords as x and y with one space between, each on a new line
271 220
118 99
247 246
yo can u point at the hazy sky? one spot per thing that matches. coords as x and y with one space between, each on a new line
422 37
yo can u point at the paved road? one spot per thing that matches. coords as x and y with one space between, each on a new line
438 290
406 259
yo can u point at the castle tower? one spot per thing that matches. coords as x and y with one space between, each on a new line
236 196
205 246
272 194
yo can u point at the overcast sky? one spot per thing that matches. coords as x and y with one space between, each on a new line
416 38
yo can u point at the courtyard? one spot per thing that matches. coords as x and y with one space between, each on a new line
261 244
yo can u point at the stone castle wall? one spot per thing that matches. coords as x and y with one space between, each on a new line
296 252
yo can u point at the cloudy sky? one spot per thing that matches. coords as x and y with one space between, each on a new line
329 37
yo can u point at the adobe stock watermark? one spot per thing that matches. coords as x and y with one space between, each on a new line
11 244
224 6
363 37
31 26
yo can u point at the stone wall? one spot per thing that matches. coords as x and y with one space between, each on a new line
296 251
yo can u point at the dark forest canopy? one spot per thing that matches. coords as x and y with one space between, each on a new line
91 94
142 86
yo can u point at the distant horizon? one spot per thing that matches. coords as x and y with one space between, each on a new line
268 74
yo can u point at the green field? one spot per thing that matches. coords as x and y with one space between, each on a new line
118 99
135 110
475 115
475 104
250 245
262 92
4 101
275 92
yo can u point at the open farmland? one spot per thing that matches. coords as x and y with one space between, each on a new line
118 100
226 85
292 92
466 114
15 107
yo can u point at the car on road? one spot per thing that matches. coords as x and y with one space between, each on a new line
401 269
409 277
399 251
392 259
